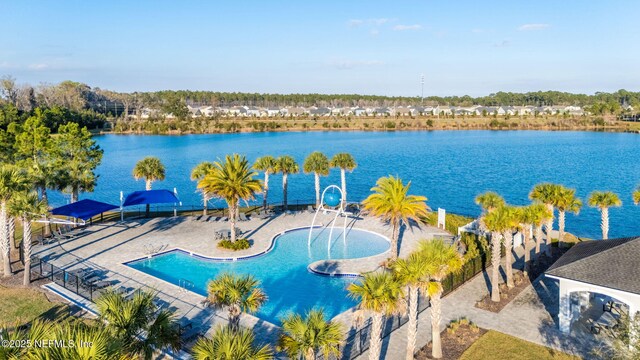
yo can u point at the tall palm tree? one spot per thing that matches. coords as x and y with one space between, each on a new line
305 337
237 293
266 164
532 217
391 202
380 294
603 200
345 162
27 207
497 222
490 201
318 164
197 174
443 259
12 181
138 323
76 179
566 200
227 344
512 226
286 165
546 193
412 272
232 180
150 169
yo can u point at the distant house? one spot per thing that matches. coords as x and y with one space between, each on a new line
252 111
382 111
207 110
321 111
238 111
359 111
272 111
297 111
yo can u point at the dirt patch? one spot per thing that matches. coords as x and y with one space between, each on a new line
456 339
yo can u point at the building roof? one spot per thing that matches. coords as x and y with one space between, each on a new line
608 263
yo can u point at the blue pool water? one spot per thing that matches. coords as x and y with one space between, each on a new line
449 167
282 272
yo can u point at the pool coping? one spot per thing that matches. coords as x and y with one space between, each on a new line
264 252
271 246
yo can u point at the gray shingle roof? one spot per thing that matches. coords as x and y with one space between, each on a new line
610 263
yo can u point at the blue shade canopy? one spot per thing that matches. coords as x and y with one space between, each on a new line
83 209
150 197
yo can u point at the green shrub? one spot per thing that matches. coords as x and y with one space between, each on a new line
239 244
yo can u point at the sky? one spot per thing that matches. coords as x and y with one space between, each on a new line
330 46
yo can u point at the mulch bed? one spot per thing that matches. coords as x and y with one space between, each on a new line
454 343
521 282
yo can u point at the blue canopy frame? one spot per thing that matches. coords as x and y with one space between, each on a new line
83 209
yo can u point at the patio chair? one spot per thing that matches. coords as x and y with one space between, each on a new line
310 209
243 217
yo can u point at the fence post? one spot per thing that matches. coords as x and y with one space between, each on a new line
64 279
51 272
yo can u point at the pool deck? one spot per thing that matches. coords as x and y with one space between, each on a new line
111 244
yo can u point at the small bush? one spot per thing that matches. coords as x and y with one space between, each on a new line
239 244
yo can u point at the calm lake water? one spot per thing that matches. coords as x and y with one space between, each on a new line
449 167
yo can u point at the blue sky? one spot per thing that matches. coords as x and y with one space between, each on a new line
366 47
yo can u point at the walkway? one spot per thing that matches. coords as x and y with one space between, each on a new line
531 316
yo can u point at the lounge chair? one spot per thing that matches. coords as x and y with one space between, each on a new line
310 209
243 217
213 219
62 236
224 219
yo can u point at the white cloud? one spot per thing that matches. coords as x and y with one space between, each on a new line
407 27
355 22
533 27
40 66
350 64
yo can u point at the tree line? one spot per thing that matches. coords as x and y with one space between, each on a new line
80 98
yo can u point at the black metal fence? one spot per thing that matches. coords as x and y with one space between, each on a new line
76 284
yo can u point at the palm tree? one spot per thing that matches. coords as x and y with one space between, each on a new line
318 164
443 260
232 180
238 293
380 294
77 179
226 344
490 201
97 342
391 203
286 165
512 225
345 162
12 181
412 272
266 164
27 207
138 323
197 174
496 222
566 200
533 217
304 337
546 193
150 169
603 200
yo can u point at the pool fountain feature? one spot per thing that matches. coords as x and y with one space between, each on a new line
331 202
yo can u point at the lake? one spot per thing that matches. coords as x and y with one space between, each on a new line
449 167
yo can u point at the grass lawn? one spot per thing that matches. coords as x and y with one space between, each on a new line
21 305
496 345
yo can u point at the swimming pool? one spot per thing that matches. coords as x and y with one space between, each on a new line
282 272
